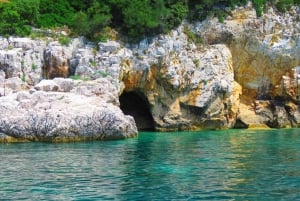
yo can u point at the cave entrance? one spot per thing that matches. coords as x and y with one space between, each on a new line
137 105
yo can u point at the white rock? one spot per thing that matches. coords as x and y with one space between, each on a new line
14 83
47 85
109 46
64 85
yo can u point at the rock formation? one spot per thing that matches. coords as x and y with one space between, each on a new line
187 89
241 73
65 110
265 55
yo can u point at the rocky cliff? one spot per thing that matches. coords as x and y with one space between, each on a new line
243 73
265 56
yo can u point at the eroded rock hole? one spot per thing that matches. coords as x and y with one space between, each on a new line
137 105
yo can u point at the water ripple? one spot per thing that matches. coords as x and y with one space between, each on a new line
220 165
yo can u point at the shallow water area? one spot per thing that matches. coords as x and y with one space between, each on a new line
206 165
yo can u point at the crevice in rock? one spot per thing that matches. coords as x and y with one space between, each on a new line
136 104
56 66
8 72
239 124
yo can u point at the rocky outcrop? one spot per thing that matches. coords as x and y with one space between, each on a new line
265 55
263 49
33 60
22 58
70 111
214 84
244 74
187 89
34 108
56 60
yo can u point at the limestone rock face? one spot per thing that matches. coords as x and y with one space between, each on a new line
289 87
64 116
264 114
33 60
214 85
187 88
59 109
265 55
23 58
263 49
56 60
244 74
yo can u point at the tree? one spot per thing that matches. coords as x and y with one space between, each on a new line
80 23
80 5
178 11
140 19
92 22
28 10
54 13
17 16
284 5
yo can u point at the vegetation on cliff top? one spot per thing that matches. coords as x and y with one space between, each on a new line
133 18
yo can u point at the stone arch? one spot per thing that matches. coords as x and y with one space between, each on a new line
136 104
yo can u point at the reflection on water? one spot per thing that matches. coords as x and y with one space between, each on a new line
219 165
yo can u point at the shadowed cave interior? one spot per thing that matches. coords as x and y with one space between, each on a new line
136 104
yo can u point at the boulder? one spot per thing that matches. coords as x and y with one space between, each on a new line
56 59
63 116
64 85
46 85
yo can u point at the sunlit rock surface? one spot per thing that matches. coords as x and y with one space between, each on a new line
88 111
186 88
265 56
241 73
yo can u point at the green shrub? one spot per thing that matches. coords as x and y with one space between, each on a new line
93 63
23 77
102 73
220 15
192 37
63 40
75 77
17 16
78 77
54 13
92 22
33 67
259 4
284 5
196 62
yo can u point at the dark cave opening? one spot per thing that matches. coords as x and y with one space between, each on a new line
136 104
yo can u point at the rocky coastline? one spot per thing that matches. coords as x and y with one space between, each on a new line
240 73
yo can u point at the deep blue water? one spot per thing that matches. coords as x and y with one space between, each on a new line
207 165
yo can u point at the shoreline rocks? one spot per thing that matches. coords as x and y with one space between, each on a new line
244 74
49 115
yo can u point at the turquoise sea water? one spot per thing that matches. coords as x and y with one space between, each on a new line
207 165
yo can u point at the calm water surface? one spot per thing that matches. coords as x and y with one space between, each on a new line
207 165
